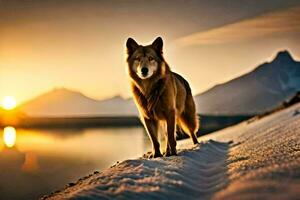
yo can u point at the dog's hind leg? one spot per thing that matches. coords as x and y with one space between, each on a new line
152 130
188 120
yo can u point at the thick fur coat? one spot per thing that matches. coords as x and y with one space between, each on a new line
161 95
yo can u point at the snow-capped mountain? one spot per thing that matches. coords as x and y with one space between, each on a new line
67 103
258 91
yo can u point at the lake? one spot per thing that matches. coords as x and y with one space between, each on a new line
36 162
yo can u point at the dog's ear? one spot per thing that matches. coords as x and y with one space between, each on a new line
158 44
131 46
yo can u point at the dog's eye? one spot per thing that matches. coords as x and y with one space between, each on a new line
137 59
151 58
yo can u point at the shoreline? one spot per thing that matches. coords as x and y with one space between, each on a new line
210 123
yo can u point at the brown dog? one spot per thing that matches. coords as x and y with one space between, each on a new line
160 95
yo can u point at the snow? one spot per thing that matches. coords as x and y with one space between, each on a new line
257 159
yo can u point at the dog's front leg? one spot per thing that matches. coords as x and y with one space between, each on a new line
152 130
171 141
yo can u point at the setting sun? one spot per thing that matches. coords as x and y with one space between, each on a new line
9 103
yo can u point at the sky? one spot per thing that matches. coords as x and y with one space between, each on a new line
80 45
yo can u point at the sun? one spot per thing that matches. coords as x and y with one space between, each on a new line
9 103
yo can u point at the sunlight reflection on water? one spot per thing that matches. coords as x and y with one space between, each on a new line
49 159
9 136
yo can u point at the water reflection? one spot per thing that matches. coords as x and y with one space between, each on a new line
9 136
30 164
49 159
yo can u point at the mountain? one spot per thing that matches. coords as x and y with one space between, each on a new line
258 91
67 103
261 90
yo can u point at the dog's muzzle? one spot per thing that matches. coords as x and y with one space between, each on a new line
144 71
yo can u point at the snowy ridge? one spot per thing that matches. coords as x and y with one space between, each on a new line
200 171
264 154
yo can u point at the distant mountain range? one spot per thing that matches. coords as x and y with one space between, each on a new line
67 103
258 91
261 90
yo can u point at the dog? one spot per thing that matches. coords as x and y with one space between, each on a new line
161 96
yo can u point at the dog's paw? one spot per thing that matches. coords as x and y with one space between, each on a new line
152 155
155 155
146 155
169 153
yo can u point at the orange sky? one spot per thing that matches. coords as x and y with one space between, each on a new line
81 45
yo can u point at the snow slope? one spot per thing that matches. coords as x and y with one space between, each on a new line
257 159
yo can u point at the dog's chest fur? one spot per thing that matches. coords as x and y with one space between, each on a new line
150 98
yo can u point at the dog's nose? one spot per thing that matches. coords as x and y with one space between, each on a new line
144 71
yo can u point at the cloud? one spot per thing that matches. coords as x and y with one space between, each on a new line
277 23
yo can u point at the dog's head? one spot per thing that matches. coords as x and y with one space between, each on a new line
145 61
